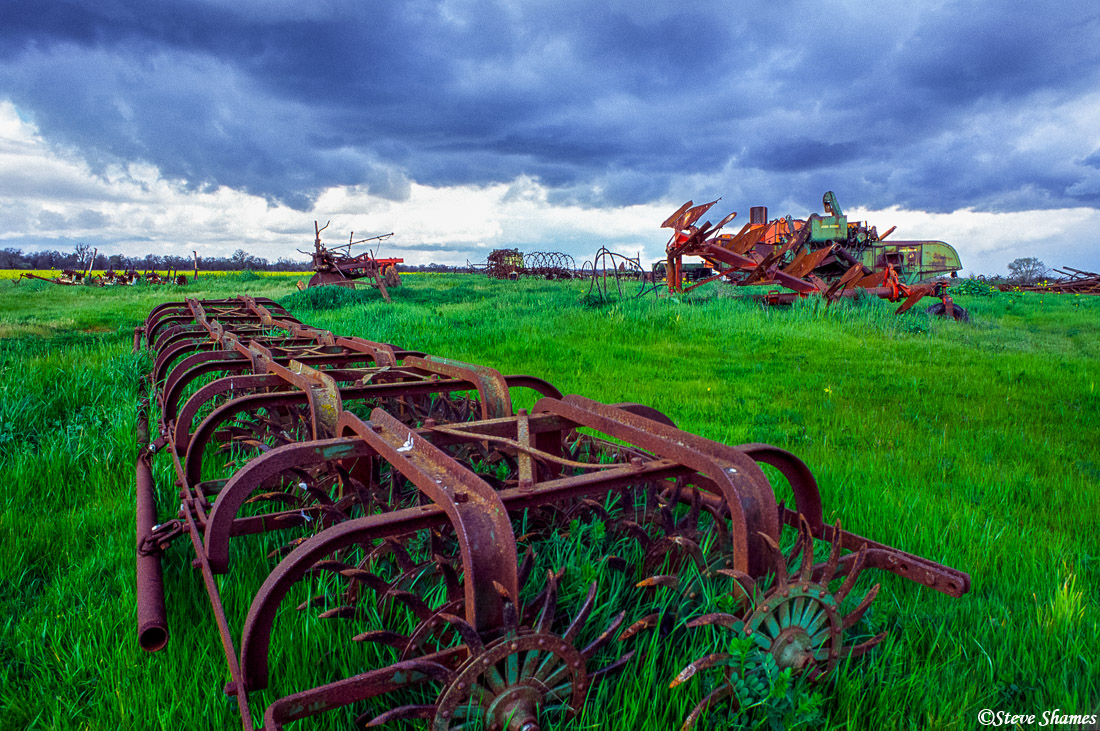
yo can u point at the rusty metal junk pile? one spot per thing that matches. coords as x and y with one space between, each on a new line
1072 281
382 510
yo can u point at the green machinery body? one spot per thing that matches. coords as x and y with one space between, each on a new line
913 260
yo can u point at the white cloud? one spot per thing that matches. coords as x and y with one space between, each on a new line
987 242
51 195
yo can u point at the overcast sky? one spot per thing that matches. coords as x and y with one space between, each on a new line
162 127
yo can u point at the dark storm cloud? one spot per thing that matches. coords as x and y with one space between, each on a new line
934 105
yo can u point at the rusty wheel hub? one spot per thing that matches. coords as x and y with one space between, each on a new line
512 682
799 626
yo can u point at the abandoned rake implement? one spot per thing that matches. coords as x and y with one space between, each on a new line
381 512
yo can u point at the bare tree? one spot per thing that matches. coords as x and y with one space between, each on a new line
82 252
1027 270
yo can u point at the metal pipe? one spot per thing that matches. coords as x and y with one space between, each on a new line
152 619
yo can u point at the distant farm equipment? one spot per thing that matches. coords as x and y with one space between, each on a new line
111 278
613 276
825 256
336 265
381 512
513 264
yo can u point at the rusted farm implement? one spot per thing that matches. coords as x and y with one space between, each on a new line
110 278
338 266
380 511
825 256
612 275
513 264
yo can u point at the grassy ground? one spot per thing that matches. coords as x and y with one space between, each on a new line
974 445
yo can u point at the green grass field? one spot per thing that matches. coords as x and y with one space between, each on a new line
975 445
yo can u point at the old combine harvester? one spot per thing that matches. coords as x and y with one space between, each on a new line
824 256
382 513
337 266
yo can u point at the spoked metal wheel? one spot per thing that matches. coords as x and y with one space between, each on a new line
797 618
512 684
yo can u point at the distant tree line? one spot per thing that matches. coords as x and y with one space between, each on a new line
12 258
239 260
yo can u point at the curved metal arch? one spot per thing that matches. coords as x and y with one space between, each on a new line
486 540
181 424
744 487
165 358
803 484
203 434
219 524
182 369
205 431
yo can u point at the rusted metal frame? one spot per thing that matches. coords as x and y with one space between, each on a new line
208 427
490 384
191 368
438 666
237 685
204 433
178 420
177 307
182 314
322 393
184 317
164 360
741 483
943 579
216 325
197 333
255 638
222 522
475 511
208 359
191 328
480 520
296 327
383 354
256 632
